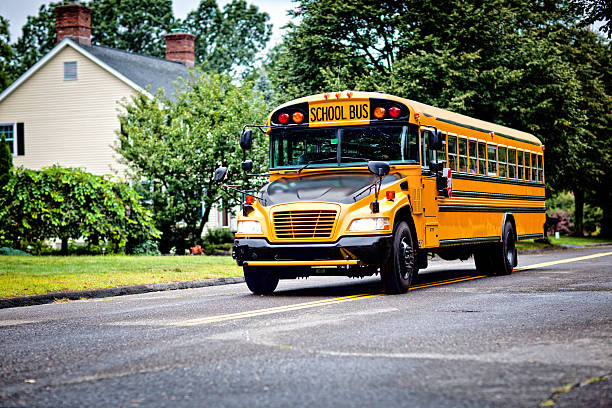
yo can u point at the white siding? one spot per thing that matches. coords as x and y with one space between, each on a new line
70 123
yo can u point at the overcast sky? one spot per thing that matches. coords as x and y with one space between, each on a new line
16 11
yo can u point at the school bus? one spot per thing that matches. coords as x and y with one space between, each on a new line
365 183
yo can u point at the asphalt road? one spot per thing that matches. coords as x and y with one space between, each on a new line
455 340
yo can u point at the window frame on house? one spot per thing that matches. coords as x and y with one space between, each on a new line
17 139
68 74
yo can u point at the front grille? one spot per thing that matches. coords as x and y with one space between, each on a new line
304 224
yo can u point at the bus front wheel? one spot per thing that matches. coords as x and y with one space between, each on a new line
260 281
397 273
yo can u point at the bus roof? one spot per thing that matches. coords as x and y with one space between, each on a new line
440 114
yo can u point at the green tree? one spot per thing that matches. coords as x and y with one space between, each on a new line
173 148
68 203
132 25
230 38
6 55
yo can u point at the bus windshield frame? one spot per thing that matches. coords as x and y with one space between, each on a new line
298 146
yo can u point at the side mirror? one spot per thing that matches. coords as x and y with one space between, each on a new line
220 174
436 167
247 165
246 139
435 140
379 168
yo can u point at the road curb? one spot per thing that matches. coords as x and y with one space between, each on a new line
120 291
561 248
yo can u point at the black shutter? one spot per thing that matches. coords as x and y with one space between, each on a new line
20 146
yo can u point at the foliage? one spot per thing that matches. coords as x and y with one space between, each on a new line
148 248
6 55
230 38
132 25
12 252
173 147
597 11
219 236
565 224
70 203
6 164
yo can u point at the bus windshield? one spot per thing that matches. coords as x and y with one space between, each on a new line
293 147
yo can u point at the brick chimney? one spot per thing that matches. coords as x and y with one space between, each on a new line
180 48
73 21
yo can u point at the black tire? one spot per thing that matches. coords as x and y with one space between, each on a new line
259 280
498 259
397 273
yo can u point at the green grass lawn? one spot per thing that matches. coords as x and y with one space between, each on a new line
563 240
35 275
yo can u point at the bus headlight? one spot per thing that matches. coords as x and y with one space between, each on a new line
249 227
370 224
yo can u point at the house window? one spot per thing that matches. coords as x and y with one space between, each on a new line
70 71
13 133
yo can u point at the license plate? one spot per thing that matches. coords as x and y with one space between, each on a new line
334 113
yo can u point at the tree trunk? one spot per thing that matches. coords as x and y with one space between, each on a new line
578 212
606 220
64 250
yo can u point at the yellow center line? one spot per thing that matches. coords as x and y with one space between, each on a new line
324 302
562 261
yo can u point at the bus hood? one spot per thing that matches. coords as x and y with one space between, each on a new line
345 188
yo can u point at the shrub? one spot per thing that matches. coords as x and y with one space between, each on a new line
12 252
219 236
149 248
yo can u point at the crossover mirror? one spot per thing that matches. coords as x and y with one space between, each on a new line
220 174
379 168
246 139
247 165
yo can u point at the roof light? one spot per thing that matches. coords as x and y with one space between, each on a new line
249 199
417 117
390 195
394 112
338 95
379 112
326 95
298 117
283 118
349 94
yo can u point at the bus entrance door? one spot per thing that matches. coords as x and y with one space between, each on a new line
430 211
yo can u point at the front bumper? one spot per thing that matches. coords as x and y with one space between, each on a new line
347 251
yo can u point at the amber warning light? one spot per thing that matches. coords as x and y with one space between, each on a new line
249 199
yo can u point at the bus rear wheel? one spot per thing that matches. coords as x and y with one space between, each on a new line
397 273
259 280
498 259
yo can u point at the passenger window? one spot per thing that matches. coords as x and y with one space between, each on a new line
473 166
441 154
426 152
501 158
482 158
534 168
519 160
527 166
492 159
512 163
452 152
540 168
462 155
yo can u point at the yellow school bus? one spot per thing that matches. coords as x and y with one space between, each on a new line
365 183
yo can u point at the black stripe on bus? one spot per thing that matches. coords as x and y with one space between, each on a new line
479 194
452 122
467 241
479 177
477 208
530 236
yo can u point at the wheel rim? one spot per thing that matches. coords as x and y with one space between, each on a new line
510 249
406 255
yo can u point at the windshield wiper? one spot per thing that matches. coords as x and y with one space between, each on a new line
331 159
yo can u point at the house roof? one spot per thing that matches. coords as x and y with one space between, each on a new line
137 71
142 69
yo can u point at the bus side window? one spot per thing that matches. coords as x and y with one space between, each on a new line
482 158
463 155
452 152
512 163
519 167
540 168
527 166
473 157
492 159
534 168
501 158
441 154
